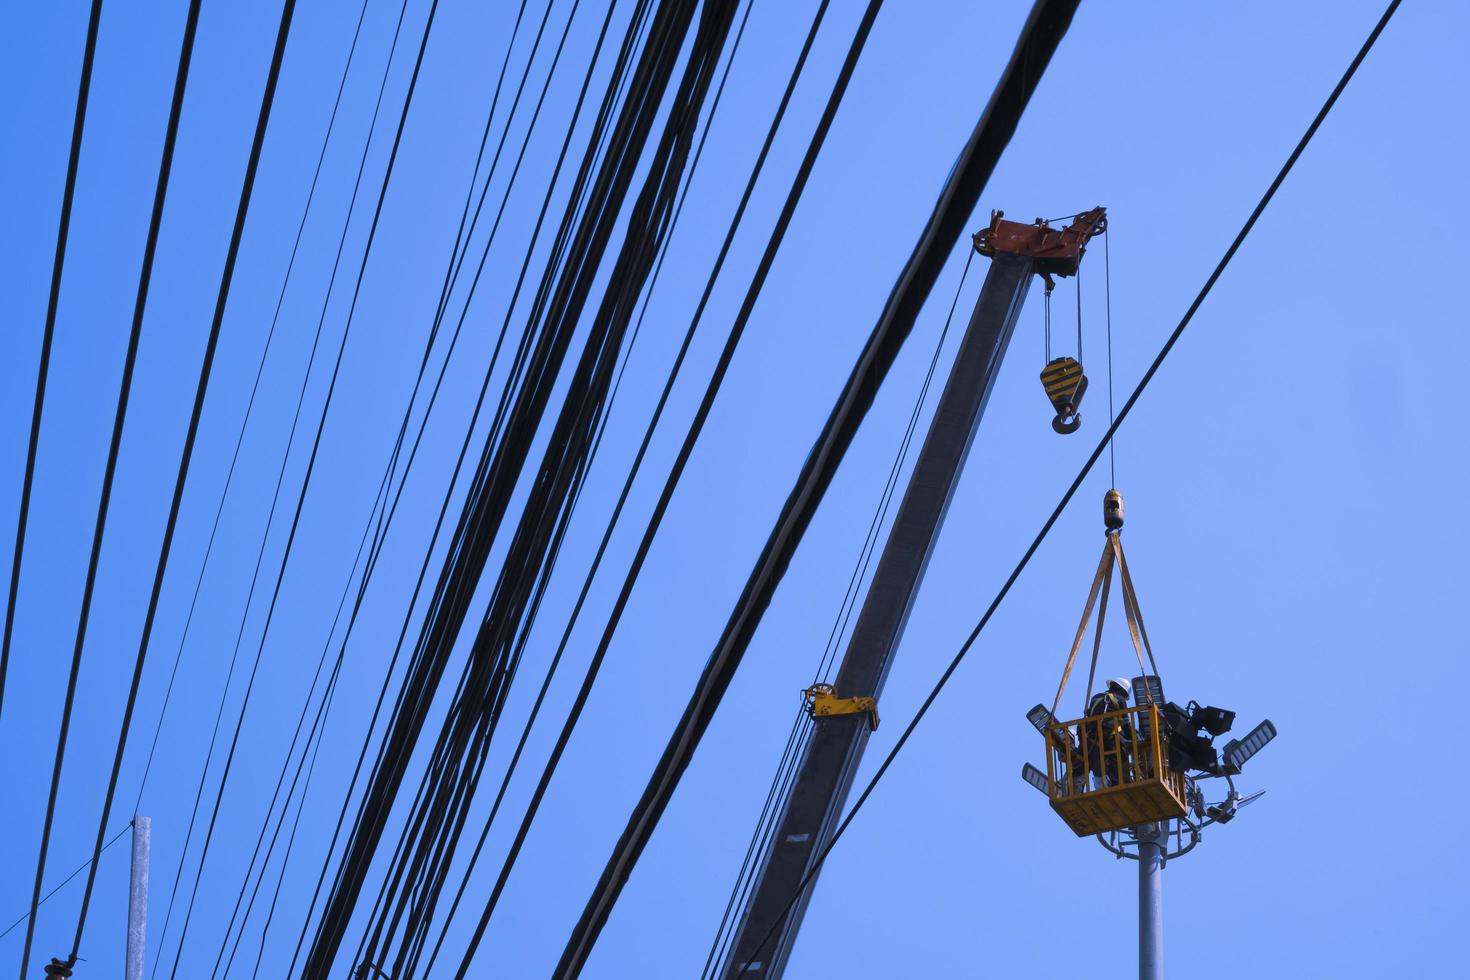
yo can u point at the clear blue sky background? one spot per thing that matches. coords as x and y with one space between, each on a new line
1294 476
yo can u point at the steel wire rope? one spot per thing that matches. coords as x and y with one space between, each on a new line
145 276
275 496
1092 459
310 465
695 428
778 794
764 826
249 409
880 513
453 480
1108 305
53 302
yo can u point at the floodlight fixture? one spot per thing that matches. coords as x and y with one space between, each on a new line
1148 689
1216 721
1240 751
1036 778
1040 717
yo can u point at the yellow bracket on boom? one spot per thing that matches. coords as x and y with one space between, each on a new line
822 702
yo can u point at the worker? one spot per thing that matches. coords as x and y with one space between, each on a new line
1109 740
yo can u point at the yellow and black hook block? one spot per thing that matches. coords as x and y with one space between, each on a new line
1065 385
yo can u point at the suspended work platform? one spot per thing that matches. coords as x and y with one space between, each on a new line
1111 771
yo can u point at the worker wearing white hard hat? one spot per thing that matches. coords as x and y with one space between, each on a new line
1110 737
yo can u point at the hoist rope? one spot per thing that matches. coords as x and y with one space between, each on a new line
1108 306
1071 491
880 513
778 792
1046 306
1079 313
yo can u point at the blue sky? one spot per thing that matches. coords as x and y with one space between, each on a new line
1294 474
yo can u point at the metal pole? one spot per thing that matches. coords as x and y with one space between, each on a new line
1152 838
138 897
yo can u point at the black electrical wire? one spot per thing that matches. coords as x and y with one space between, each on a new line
454 479
232 254
67 880
715 29
280 477
245 421
186 52
63 232
1043 31
379 505
485 513
1092 459
684 453
438 526
715 32
612 521
310 465
574 956
385 521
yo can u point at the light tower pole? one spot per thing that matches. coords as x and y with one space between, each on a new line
1152 839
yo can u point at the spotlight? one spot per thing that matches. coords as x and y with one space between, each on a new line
1216 721
1223 812
1240 751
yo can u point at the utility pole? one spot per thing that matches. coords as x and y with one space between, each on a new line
763 938
138 896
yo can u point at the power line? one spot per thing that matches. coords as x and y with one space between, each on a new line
249 411
63 232
310 465
1040 37
165 167
1086 466
67 880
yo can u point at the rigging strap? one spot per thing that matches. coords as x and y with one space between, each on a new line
1104 573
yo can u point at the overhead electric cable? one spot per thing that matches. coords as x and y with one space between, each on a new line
311 459
225 280
245 420
717 377
611 523
459 463
160 193
1039 38
280 478
43 368
514 586
487 509
67 880
1092 459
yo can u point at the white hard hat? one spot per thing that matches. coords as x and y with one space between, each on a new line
1121 682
